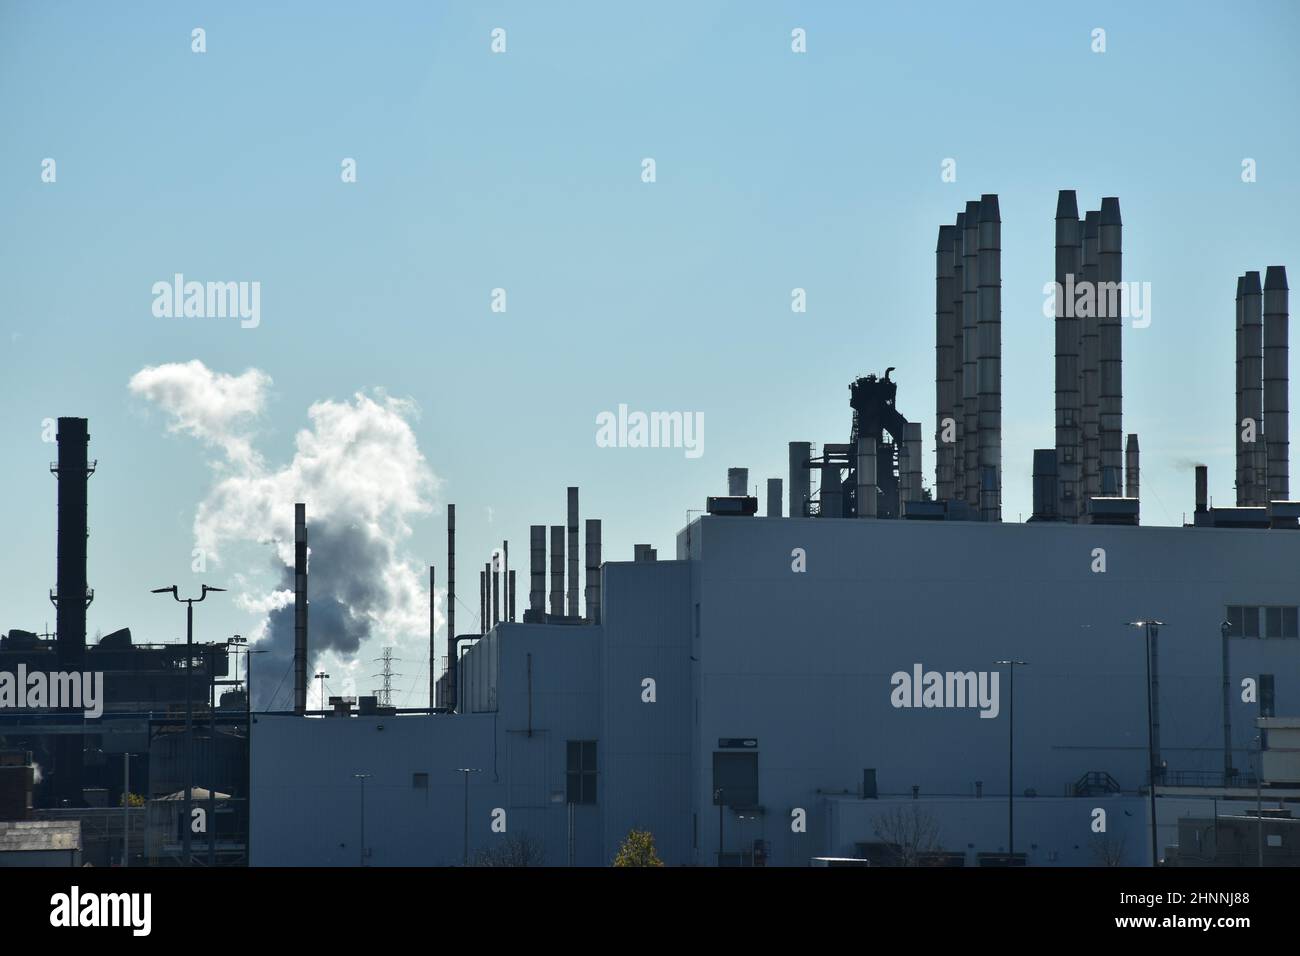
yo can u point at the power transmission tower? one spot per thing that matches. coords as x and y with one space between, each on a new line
385 694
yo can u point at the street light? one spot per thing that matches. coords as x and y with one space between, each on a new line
467 771
1011 666
189 707
322 677
1151 754
363 777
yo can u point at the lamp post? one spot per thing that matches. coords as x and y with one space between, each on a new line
467 771
363 777
189 708
322 677
1011 666
1151 754
717 798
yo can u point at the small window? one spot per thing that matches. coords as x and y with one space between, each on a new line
420 780
580 771
1289 623
1234 621
1250 623
1266 699
1272 622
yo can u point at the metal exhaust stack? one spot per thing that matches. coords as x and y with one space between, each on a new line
774 497
71 596
1243 459
573 554
970 353
944 338
482 602
433 653
738 482
1089 337
1131 471
831 492
800 478
510 594
1110 274
1202 489
958 360
593 570
496 588
506 613
1252 374
1277 417
866 477
1068 407
989 368
451 579
557 570
300 608
537 570
912 482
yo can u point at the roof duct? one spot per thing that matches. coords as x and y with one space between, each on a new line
774 497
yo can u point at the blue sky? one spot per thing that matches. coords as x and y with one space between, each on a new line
522 171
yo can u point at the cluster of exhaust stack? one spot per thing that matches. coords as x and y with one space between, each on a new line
1263 413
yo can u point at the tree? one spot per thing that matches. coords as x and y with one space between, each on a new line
512 851
1108 850
909 835
638 849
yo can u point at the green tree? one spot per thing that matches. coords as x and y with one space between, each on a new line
638 849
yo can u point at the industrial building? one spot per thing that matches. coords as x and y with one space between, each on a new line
915 682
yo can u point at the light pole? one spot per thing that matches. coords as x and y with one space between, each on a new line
1259 802
322 677
1011 666
189 708
467 771
1151 754
717 798
363 777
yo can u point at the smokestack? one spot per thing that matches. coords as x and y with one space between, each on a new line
1252 385
451 579
300 608
958 359
510 591
945 332
71 596
738 482
970 382
483 601
800 478
433 652
866 477
1110 274
989 370
557 570
832 494
495 565
912 478
1243 459
593 570
537 569
1068 406
1044 485
573 553
1277 419
1089 336
774 497
1202 489
506 613
1131 471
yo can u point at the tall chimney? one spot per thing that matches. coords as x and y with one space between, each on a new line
1202 489
958 360
1277 419
911 479
738 482
506 613
451 578
1110 274
300 608
593 570
1068 406
800 478
989 370
537 569
484 601
774 497
496 588
433 652
970 382
866 472
557 570
1089 337
1252 385
944 337
572 591
831 491
1131 471
71 596
1242 474
510 592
